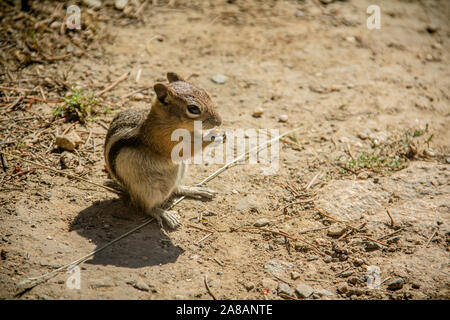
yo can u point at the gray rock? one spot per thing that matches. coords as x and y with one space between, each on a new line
141 285
397 284
303 290
219 79
277 267
324 292
371 245
261 222
283 288
120 4
102 284
336 230
249 286
299 14
283 118
269 283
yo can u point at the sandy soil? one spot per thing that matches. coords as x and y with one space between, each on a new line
349 89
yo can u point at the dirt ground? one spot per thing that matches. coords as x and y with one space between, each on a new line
363 183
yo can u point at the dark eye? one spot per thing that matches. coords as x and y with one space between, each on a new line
193 109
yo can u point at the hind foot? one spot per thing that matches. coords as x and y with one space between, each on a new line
170 218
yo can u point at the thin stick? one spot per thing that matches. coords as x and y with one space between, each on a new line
64 173
334 219
390 234
390 217
199 228
119 80
208 288
16 89
429 239
205 237
313 180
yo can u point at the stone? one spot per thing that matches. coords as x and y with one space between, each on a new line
269 283
277 266
299 13
324 292
68 142
141 285
397 284
336 230
353 280
55 25
219 79
283 118
342 288
120 4
249 286
138 97
261 222
303 290
257 112
431 28
283 288
358 262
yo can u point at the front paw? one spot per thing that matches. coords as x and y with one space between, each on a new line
216 135
203 192
197 192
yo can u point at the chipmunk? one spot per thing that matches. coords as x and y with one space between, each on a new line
138 146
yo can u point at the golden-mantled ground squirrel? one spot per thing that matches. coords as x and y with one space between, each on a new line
138 146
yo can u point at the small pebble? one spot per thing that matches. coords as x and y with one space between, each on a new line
295 275
436 45
431 28
336 230
219 79
299 14
138 96
68 142
353 280
283 118
140 285
285 289
261 222
303 290
342 288
120 4
55 25
257 112
324 292
397 284
249 286
358 262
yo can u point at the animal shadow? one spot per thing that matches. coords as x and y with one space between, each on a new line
106 220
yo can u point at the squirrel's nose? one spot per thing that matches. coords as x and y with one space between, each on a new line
217 120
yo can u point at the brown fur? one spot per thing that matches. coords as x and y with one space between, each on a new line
138 145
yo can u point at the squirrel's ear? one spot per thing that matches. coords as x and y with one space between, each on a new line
172 77
161 91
